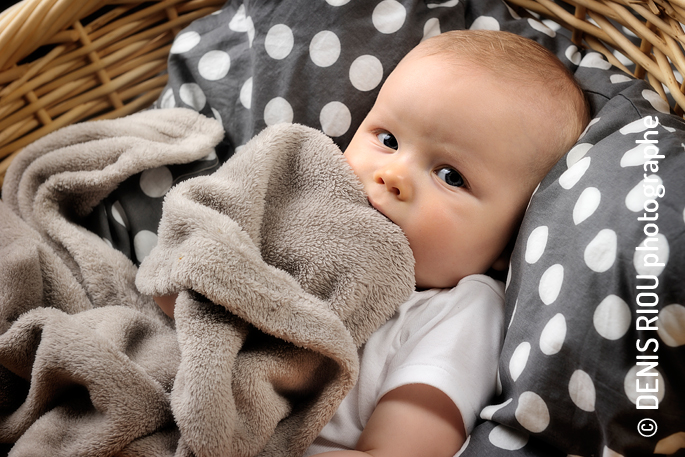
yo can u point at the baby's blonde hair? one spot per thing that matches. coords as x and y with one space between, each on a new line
522 61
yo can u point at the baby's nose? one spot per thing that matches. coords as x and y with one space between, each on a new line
396 180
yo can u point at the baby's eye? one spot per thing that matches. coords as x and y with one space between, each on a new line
451 177
388 140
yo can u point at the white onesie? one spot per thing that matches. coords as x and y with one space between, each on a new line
447 338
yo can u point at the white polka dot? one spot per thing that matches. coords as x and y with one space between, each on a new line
612 317
577 153
490 410
463 446
590 124
595 60
214 65
609 453
431 28
324 49
619 78
671 444
250 31
168 100
485 23
637 196
242 23
636 156
672 325
119 214
553 335
498 384
277 111
238 22
650 378
388 16
506 283
217 114
623 59
143 242
582 390
107 242
447 4
246 93
513 313
513 13
586 205
532 412
656 101
192 95
600 253
518 360
540 27
635 127
337 2
531 197
366 72
653 257
535 246
571 176
335 119
629 32
550 284
279 41
156 182
572 54
551 24
185 42
507 438
210 156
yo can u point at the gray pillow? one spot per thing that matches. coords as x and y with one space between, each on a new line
595 294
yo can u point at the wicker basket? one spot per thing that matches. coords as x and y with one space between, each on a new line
64 61
604 26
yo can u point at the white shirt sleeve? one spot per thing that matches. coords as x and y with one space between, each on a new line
449 339
453 344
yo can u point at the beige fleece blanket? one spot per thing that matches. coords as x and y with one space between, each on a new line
282 268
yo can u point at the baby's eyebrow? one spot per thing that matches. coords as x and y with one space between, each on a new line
461 159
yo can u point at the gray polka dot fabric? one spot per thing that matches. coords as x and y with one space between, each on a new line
594 356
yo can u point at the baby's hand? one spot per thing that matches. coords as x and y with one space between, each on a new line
167 302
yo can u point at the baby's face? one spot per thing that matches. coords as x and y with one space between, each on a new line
445 153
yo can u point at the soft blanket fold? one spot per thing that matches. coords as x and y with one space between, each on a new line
282 268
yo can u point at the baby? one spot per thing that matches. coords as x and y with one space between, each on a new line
460 135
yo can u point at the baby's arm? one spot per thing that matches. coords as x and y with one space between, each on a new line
411 420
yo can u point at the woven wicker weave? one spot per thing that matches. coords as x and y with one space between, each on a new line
606 25
63 61
102 59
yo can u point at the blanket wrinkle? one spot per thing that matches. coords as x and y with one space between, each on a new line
282 271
